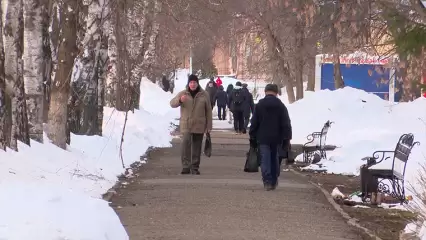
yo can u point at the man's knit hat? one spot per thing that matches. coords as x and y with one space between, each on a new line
238 84
192 77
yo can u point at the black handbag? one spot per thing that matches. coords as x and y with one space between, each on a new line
208 146
252 160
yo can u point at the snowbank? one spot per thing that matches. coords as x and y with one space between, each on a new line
363 123
89 167
35 211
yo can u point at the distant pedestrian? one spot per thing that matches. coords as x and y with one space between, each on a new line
229 92
211 89
237 100
221 101
195 120
270 129
218 82
248 107
166 83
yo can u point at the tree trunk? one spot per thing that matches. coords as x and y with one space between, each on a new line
88 76
111 78
288 84
60 90
13 35
122 86
311 74
3 109
47 60
299 59
338 80
337 73
33 65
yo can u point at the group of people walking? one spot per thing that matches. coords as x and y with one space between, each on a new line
270 129
237 99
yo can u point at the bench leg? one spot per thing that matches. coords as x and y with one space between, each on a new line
307 156
395 189
369 183
398 190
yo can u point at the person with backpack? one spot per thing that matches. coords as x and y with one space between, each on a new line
237 100
248 106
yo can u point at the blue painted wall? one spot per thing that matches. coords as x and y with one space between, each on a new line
358 76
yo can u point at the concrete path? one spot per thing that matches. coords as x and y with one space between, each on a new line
223 202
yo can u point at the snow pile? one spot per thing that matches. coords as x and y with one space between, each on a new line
89 167
154 100
34 211
181 79
363 123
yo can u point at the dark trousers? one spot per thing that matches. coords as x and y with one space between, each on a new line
221 113
191 150
246 121
239 121
269 163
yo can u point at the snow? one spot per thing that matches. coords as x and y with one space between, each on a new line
363 123
54 193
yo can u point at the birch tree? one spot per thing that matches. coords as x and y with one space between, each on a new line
13 36
60 89
89 72
3 109
33 65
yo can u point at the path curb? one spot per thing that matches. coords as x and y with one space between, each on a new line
350 220
134 167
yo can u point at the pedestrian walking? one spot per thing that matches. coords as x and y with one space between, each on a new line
195 120
270 129
218 82
211 89
221 102
248 107
229 92
238 99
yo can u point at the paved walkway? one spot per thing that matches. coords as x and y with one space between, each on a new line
223 202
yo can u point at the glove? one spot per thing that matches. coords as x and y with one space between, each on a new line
253 143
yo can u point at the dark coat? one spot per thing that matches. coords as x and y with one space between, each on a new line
270 123
245 100
221 98
211 91
166 83
229 89
248 106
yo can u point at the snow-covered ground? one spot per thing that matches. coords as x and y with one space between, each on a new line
50 193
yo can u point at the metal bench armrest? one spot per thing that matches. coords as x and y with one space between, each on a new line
378 157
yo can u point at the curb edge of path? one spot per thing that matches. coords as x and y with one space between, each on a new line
107 196
350 220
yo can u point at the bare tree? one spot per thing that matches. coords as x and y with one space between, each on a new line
3 110
60 89
13 35
33 65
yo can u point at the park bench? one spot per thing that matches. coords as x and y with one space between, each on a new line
389 180
315 149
